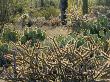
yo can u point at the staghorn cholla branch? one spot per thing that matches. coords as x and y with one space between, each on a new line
61 64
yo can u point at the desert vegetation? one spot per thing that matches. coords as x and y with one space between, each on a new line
54 40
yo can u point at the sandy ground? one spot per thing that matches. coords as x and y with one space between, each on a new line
51 32
2 81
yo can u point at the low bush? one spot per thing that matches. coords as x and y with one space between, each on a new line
33 36
46 12
9 35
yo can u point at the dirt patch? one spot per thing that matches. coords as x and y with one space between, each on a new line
51 31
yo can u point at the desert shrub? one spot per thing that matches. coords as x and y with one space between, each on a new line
46 12
33 36
18 9
63 41
47 3
9 35
94 25
55 21
4 50
67 58
101 9
5 13
63 64
71 39
98 26
103 2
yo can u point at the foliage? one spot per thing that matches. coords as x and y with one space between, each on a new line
18 9
96 25
46 12
103 2
9 35
63 41
5 12
65 63
4 49
5 8
75 54
47 3
81 56
33 36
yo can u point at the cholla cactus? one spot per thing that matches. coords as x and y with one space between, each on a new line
40 63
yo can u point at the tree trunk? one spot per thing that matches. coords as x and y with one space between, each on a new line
63 8
42 3
85 7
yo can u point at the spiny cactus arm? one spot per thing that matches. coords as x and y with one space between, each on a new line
101 70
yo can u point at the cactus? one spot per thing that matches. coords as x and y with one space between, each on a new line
33 36
5 12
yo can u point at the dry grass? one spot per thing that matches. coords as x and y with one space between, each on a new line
51 31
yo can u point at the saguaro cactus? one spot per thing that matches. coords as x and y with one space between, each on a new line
5 12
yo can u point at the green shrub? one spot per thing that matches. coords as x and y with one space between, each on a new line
9 35
4 49
18 9
33 36
46 12
80 42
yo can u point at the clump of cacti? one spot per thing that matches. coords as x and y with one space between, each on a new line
77 61
9 36
33 36
77 57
